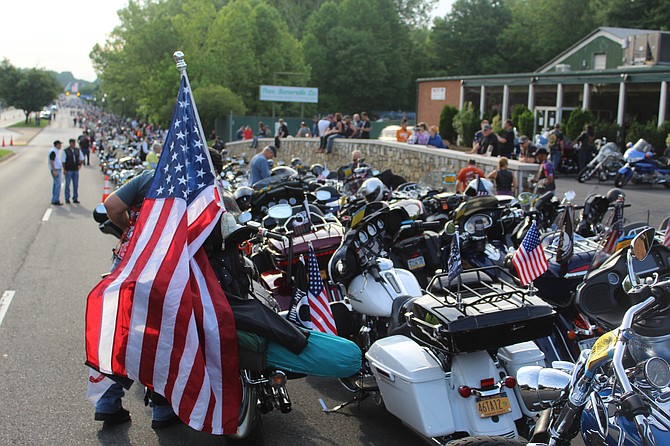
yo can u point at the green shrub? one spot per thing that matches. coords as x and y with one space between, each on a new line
496 124
447 130
650 132
523 120
606 129
466 123
576 122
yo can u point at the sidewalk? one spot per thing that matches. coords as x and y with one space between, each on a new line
19 136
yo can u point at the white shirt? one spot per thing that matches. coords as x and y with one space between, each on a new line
58 162
323 126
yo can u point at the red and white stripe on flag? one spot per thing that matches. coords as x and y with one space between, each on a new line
529 260
666 237
319 308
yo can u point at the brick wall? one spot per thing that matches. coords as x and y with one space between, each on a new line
428 110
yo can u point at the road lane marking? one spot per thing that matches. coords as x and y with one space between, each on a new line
47 214
5 300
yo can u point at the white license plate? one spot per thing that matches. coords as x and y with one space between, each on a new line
416 263
587 343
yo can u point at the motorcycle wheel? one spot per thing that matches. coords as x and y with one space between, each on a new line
667 185
481 440
620 180
585 174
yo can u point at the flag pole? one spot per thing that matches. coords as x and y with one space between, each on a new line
178 57
459 296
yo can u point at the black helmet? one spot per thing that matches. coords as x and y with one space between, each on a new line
243 197
296 163
614 194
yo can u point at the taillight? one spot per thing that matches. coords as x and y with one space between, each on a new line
581 322
510 382
465 391
488 382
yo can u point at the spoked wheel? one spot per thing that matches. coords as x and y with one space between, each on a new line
585 174
620 180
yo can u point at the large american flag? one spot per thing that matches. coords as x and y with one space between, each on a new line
616 228
161 317
322 317
529 259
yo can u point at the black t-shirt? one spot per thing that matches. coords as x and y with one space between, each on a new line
504 180
365 135
530 151
586 141
83 142
507 148
486 141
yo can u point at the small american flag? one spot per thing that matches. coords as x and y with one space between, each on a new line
481 189
616 229
161 317
529 259
322 317
666 237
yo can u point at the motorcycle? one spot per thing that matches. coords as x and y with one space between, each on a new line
641 168
617 392
605 165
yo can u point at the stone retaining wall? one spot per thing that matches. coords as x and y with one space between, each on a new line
412 162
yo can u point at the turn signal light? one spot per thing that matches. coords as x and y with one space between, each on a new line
278 379
465 391
572 335
510 382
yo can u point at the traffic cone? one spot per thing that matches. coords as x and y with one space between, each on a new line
3 141
11 140
105 191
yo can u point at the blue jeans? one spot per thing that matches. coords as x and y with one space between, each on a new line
110 402
72 176
555 157
55 189
331 138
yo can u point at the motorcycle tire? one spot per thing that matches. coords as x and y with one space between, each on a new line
484 440
585 174
667 185
620 180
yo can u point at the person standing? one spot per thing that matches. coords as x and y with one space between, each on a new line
468 174
85 146
56 168
152 157
527 150
587 147
434 138
555 144
365 127
504 179
73 159
506 140
259 168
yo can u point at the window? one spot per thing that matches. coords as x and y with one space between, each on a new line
599 61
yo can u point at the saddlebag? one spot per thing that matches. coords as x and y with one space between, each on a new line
490 315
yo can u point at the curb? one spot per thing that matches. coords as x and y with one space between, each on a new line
7 157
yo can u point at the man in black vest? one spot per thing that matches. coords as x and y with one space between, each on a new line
72 161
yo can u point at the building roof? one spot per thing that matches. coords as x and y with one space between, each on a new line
618 35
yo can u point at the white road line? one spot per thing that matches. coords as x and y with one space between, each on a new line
47 214
5 300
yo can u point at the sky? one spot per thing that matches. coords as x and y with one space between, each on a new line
59 35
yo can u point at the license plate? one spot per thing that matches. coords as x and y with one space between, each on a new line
493 405
587 343
416 263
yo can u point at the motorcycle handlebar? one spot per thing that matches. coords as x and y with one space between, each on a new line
269 234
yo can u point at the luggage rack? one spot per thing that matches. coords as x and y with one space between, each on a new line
495 284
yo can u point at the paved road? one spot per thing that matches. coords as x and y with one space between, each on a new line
51 264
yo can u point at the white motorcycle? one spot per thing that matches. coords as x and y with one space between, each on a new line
605 165
444 361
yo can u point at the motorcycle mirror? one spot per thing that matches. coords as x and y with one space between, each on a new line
375 172
525 198
570 195
322 195
642 243
244 217
280 211
450 227
540 387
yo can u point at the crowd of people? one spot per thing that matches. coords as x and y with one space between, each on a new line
422 135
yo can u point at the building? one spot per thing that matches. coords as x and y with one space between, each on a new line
618 74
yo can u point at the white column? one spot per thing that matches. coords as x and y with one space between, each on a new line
559 103
461 100
482 101
531 96
586 100
622 103
663 102
505 104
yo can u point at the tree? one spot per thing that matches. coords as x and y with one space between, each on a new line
447 129
27 89
466 123
524 120
213 101
648 14
576 122
358 55
466 40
